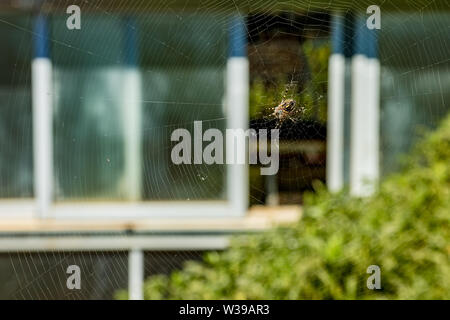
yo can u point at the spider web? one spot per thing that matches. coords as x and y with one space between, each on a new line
279 49
183 69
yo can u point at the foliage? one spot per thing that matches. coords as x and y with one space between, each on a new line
404 229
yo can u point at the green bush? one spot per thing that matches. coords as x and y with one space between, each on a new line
404 229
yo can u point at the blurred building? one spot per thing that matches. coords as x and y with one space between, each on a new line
86 117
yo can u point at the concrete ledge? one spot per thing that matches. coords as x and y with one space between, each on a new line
28 235
113 243
258 218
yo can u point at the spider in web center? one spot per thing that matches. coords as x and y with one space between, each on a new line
286 109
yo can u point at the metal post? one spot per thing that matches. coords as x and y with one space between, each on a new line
272 196
336 90
42 95
136 274
237 95
365 126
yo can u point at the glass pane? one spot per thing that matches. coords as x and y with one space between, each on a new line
16 146
43 275
183 67
415 79
180 77
88 142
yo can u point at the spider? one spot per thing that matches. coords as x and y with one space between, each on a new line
286 109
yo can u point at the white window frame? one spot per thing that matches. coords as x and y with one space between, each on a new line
44 206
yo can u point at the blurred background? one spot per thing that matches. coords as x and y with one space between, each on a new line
86 118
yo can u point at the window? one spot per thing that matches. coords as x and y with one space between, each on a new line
16 160
116 98
415 80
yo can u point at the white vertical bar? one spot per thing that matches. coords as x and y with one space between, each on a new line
131 116
335 123
136 274
41 78
237 113
364 153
